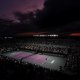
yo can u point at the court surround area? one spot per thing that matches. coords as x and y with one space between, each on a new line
46 61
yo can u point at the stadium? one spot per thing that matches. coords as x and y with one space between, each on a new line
39 56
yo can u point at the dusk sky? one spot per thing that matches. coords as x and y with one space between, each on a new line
8 7
59 16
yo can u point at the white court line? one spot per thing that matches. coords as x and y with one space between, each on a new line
52 61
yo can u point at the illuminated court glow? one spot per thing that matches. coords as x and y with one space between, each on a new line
46 61
52 61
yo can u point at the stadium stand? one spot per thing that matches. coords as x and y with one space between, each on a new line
13 68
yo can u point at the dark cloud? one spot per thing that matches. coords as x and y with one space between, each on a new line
7 7
56 16
61 15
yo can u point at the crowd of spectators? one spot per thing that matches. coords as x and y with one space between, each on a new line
43 45
51 45
11 68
